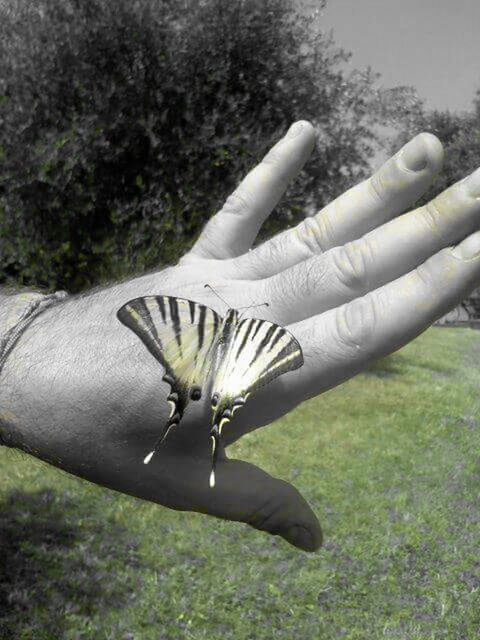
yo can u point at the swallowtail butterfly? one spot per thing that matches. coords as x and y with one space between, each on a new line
230 357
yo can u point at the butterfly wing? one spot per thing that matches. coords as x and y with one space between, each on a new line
259 352
181 335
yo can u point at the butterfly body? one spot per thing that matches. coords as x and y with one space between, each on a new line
202 352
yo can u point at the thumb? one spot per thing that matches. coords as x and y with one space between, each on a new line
245 493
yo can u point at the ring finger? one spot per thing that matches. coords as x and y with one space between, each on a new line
352 270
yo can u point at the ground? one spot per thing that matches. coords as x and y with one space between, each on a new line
390 462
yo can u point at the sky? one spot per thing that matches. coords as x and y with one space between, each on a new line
433 45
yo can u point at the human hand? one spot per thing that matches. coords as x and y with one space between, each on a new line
353 283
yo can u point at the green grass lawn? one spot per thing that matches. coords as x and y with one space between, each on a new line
390 462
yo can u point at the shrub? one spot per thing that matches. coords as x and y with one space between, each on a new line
125 124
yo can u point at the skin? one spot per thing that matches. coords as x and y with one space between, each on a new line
353 283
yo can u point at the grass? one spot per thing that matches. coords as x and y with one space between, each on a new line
390 461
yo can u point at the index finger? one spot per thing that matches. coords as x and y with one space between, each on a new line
233 229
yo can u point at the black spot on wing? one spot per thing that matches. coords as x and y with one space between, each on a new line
196 392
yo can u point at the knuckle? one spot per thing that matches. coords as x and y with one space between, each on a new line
189 259
356 323
316 233
301 282
276 248
377 186
430 216
352 265
273 157
237 203
313 274
207 244
436 273
270 514
426 277
296 282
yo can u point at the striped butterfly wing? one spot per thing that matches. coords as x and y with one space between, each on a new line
181 335
258 352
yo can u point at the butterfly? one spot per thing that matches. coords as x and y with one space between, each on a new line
201 351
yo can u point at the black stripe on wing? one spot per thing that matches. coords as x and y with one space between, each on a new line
265 342
246 333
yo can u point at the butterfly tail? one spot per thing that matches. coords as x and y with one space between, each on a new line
177 402
165 431
215 437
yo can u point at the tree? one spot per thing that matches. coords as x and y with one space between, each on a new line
125 124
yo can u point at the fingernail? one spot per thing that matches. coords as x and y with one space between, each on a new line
472 184
414 155
295 130
469 249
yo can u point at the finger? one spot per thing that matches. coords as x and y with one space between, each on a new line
346 272
388 192
233 229
247 494
343 341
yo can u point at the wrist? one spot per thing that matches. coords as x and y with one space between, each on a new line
17 310
75 385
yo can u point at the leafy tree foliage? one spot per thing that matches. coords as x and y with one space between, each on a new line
124 125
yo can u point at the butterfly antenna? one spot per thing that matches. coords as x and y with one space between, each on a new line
252 306
217 294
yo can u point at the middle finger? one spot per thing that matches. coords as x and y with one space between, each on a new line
395 186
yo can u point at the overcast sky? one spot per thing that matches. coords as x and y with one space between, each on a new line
433 45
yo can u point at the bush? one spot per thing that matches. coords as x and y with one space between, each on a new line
125 124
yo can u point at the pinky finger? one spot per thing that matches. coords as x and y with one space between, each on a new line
341 342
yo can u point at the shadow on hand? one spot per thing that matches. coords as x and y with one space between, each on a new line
58 562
